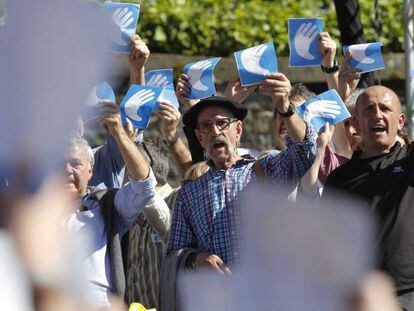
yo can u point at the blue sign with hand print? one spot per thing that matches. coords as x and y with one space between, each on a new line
164 79
303 41
123 23
102 91
254 64
138 104
201 78
366 56
325 107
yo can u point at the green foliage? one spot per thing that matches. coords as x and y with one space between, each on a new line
220 27
391 21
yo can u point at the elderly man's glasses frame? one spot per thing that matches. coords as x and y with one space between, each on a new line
222 125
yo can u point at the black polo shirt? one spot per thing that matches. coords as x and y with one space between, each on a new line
386 185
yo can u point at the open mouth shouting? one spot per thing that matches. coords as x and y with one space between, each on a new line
219 147
217 144
378 129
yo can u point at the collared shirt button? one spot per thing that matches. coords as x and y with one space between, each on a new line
232 233
235 254
230 211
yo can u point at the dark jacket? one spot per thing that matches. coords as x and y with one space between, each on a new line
386 185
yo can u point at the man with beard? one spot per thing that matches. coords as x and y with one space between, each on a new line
207 214
382 175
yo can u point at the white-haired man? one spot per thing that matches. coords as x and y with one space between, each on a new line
207 214
109 217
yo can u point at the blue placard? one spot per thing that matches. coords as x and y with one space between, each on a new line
201 78
163 78
303 41
102 91
255 63
325 107
366 56
138 104
123 23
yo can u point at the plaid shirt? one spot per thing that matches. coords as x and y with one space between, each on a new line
207 213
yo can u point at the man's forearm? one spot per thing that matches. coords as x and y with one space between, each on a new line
158 216
309 181
332 79
181 156
137 76
340 141
134 161
296 128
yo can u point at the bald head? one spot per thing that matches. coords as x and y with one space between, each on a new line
381 94
378 118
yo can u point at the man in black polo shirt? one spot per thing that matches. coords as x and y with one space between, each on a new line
382 174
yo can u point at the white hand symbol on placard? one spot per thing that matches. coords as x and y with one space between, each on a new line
250 59
358 53
195 72
122 18
329 109
158 80
135 102
304 38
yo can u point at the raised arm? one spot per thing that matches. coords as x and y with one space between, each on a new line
309 181
348 78
135 163
327 48
170 117
340 141
277 86
137 59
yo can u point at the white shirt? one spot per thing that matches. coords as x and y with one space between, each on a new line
129 202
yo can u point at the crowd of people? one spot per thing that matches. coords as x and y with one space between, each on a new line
133 234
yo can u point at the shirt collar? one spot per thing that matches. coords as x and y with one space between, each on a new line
357 153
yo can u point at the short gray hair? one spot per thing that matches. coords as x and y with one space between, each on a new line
350 103
80 142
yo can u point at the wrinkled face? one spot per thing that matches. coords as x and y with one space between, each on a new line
379 118
78 171
219 144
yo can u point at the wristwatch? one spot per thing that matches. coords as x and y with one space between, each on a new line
291 110
332 69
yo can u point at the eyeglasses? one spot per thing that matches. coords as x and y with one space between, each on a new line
222 124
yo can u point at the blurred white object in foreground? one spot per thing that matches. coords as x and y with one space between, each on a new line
51 53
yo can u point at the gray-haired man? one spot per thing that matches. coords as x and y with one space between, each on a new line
102 262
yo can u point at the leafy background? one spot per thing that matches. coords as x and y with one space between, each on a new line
220 27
